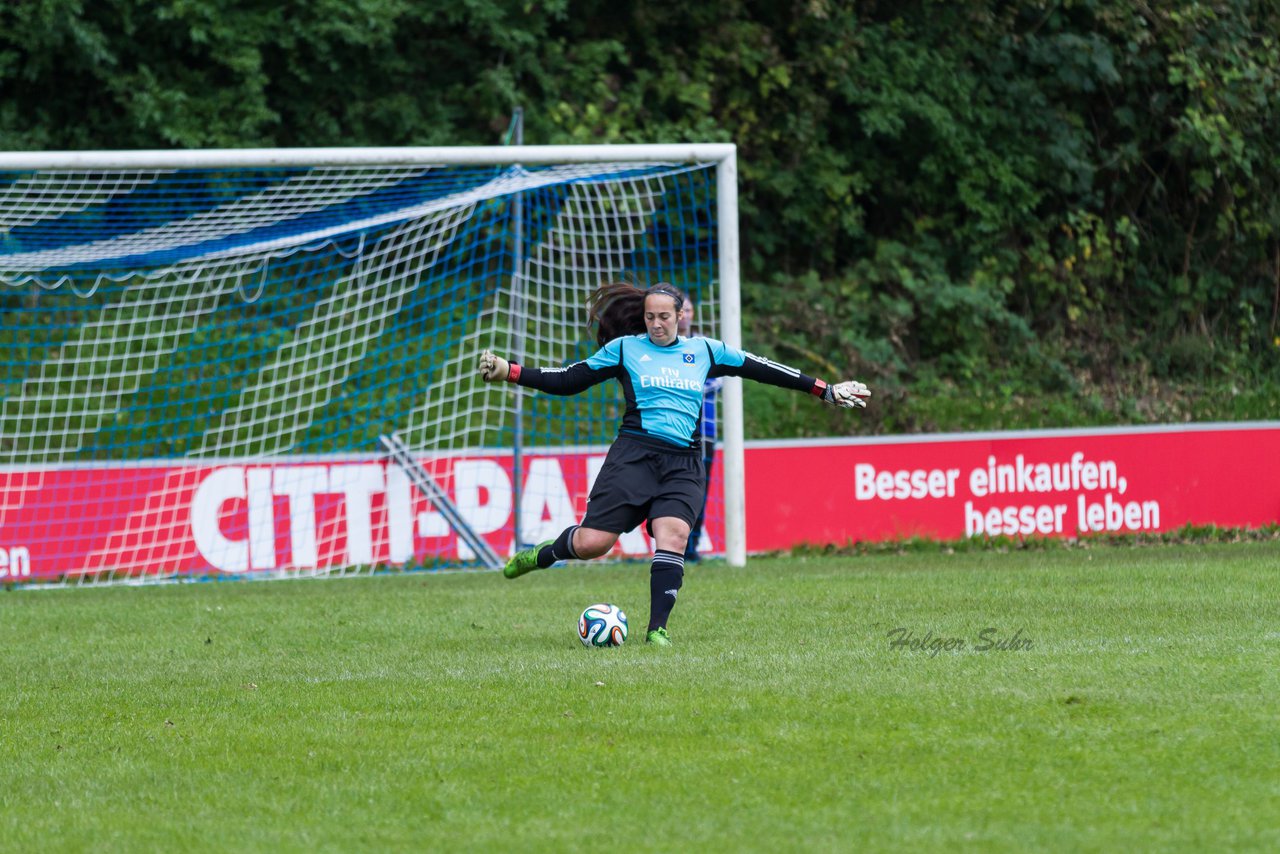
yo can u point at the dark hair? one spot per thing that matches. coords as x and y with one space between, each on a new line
617 308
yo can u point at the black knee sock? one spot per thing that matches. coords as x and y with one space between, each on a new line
665 578
561 549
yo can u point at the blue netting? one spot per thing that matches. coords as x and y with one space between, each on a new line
316 323
249 207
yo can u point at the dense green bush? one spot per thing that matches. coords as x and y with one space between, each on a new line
998 215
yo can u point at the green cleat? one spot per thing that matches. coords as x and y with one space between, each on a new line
524 561
658 637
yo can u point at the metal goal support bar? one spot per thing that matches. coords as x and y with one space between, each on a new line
436 494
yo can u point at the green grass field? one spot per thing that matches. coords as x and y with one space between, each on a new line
459 711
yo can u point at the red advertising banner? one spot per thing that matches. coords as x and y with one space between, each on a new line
235 517
1052 483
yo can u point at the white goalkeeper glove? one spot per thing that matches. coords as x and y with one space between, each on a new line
493 368
851 394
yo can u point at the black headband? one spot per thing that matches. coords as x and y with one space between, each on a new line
666 290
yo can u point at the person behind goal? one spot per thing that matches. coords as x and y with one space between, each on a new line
653 471
710 393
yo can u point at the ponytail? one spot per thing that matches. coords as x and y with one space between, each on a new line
617 308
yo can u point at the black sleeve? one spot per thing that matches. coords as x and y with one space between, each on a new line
763 370
565 381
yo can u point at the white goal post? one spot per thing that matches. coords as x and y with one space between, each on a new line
202 347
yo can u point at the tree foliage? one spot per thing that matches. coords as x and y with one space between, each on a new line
1073 191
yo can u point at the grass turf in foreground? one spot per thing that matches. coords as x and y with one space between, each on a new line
460 711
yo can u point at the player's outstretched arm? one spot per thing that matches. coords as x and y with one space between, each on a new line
493 368
730 361
850 394
562 381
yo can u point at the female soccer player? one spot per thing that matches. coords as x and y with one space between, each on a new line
653 472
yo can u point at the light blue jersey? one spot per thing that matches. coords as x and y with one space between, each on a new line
665 382
663 385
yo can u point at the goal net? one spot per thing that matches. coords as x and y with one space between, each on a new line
205 356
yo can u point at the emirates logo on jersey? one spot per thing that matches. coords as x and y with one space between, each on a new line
670 382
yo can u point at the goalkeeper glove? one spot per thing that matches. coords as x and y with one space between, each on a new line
851 394
493 368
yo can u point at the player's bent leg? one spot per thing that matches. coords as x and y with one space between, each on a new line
591 543
574 543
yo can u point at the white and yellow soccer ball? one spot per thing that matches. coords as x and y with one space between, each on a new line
602 625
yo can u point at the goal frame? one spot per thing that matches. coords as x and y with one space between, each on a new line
723 155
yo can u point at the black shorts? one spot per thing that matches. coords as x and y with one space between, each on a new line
645 479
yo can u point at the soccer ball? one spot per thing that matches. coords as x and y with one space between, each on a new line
602 625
